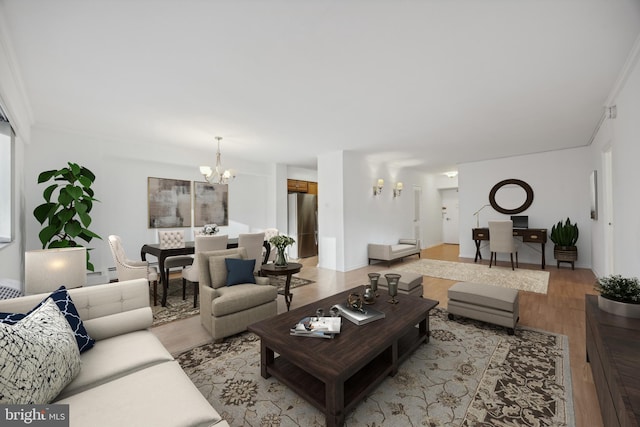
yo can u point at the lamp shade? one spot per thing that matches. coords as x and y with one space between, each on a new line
46 270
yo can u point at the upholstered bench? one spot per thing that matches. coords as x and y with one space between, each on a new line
488 303
409 283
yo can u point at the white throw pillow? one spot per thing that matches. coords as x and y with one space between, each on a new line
38 357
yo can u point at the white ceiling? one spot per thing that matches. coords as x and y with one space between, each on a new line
424 84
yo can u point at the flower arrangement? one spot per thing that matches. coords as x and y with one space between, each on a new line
281 242
618 288
210 229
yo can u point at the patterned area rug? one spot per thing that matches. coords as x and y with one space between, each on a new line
177 308
524 280
469 374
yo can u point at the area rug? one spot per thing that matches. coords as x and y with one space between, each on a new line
177 308
521 279
469 374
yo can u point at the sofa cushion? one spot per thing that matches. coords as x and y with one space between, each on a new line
116 357
64 302
240 271
241 297
39 356
218 269
160 395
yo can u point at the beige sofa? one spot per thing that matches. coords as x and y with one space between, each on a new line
388 253
128 378
228 310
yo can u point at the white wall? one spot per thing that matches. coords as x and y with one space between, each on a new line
560 183
122 169
350 216
626 175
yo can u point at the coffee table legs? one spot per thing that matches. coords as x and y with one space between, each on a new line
266 359
334 398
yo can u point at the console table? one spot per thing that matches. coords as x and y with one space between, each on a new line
613 351
529 235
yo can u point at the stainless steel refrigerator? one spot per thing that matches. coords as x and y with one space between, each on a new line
303 225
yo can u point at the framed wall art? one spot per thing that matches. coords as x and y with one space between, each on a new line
210 204
169 203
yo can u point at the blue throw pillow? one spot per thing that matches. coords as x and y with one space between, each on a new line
240 271
65 304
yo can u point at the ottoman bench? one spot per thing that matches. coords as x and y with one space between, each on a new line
488 303
409 284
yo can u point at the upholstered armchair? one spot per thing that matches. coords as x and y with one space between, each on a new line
228 309
128 269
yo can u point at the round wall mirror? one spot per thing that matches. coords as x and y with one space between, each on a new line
511 200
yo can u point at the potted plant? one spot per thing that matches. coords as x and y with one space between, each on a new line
281 242
619 295
564 236
68 203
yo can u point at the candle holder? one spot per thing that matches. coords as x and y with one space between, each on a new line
373 280
392 285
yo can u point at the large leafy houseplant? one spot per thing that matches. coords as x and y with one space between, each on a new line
67 207
565 235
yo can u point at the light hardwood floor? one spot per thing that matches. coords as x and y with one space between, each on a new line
561 310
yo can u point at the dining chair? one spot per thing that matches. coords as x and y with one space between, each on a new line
501 240
128 269
268 234
253 243
203 243
174 239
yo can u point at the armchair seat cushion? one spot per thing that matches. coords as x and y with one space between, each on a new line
233 299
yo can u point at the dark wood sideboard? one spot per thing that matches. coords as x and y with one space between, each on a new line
613 351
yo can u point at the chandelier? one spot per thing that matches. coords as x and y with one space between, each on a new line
217 175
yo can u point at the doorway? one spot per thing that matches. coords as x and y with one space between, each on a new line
450 226
607 186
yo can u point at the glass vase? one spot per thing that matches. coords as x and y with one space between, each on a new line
281 258
373 281
392 285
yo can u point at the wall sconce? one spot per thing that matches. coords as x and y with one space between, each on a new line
397 189
377 189
451 174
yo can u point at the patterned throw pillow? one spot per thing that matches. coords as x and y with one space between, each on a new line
64 302
240 271
39 357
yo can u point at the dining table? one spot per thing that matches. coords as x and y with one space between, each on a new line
162 253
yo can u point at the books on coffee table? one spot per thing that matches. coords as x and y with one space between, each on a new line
359 317
318 327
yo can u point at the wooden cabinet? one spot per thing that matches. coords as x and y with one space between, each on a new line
312 188
297 186
613 351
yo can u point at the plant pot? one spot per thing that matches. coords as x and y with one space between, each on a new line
565 253
623 309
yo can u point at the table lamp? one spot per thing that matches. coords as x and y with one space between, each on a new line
46 270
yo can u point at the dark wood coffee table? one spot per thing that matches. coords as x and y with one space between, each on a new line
334 375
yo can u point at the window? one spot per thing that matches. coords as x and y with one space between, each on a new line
6 181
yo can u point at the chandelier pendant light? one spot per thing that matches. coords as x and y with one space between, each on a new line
218 175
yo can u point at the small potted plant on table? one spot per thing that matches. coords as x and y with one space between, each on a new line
619 295
564 236
281 242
